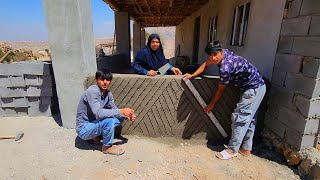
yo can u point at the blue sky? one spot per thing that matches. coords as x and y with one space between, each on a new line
24 20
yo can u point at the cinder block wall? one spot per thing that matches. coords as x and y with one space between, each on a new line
294 103
25 89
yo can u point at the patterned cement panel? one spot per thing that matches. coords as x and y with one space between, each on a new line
166 107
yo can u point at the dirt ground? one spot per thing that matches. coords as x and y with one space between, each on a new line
48 151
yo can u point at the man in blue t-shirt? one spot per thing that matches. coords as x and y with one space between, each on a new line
238 71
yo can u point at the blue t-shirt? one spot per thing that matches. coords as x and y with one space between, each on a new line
238 71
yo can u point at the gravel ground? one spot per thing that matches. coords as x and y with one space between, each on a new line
48 151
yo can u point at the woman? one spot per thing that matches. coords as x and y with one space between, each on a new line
150 58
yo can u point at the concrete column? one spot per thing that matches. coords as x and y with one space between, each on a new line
138 37
122 26
143 37
71 41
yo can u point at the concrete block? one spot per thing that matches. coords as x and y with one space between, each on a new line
17 81
273 109
297 122
298 140
288 62
278 77
42 110
13 92
20 102
310 7
31 80
5 81
294 8
35 91
45 100
296 26
20 111
33 101
14 102
308 107
45 81
306 46
281 96
13 69
285 44
315 26
311 67
7 102
36 68
275 125
303 85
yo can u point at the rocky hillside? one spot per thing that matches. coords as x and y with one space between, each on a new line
26 50
9 54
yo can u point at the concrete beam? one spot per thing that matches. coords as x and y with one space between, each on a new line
122 27
71 41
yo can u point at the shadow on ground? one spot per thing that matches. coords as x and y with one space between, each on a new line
57 118
261 148
88 145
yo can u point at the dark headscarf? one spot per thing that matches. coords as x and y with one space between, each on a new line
147 59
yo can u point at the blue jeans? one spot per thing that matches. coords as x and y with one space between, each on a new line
244 119
103 127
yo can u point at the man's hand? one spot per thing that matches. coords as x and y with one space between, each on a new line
152 73
187 76
133 117
208 108
127 112
176 71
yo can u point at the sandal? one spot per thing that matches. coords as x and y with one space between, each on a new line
245 153
114 151
225 155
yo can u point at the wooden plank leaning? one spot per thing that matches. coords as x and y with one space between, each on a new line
203 105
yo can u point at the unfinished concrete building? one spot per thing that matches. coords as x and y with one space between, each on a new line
280 37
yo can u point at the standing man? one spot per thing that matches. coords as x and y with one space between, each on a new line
97 115
237 70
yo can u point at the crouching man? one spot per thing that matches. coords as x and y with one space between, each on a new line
97 115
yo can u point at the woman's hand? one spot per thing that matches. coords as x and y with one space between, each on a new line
176 71
152 73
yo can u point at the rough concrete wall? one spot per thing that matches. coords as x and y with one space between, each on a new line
262 35
25 89
165 106
294 104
